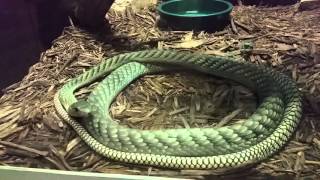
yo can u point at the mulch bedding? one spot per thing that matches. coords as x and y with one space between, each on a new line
31 135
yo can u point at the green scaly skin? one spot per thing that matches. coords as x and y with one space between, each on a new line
257 138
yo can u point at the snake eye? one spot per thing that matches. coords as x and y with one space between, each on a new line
76 109
80 109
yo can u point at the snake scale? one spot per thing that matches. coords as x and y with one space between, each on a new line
264 133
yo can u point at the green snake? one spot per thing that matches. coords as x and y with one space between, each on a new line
264 133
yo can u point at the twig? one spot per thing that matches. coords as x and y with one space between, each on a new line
228 118
22 111
68 62
91 161
18 152
184 121
39 82
59 166
243 26
312 162
41 153
177 111
233 27
61 157
71 21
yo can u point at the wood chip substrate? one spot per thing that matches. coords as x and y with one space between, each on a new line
285 38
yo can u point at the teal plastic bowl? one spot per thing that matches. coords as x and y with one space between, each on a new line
208 15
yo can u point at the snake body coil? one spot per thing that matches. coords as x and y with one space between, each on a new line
260 136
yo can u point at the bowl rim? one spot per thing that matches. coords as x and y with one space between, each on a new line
229 9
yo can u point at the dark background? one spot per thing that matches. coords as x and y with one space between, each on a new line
27 27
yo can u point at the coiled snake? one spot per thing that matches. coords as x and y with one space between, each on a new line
251 141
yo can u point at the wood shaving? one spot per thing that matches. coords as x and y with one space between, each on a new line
282 38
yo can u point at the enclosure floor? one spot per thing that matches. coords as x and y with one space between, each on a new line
31 135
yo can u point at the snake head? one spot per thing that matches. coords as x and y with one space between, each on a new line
80 109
